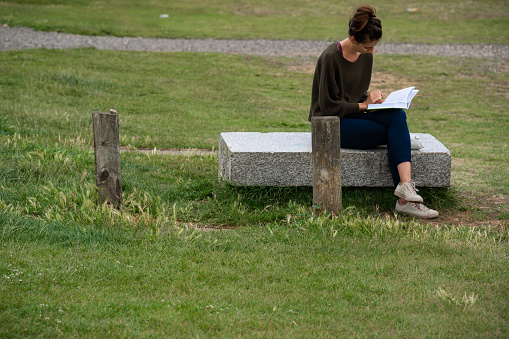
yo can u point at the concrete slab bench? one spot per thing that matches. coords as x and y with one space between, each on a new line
285 159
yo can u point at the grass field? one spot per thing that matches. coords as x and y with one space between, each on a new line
445 21
71 267
191 257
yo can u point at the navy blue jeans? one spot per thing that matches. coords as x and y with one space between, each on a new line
382 127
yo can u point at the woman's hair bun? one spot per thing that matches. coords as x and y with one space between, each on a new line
364 24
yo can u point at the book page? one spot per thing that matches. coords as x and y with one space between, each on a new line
402 96
399 99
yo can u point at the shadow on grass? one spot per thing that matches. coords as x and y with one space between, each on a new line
369 200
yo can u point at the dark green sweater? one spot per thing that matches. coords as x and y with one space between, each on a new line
338 84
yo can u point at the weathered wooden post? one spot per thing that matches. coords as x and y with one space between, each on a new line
107 157
326 149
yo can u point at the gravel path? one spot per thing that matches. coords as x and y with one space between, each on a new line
15 38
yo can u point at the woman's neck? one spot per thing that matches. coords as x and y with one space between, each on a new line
349 52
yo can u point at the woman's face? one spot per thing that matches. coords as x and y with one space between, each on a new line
365 47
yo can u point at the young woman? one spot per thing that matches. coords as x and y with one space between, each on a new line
340 84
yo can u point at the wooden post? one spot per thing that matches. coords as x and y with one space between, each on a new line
326 148
107 157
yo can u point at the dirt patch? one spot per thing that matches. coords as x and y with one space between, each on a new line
306 67
169 151
388 83
467 218
477 211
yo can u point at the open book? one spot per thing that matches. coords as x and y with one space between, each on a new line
398 99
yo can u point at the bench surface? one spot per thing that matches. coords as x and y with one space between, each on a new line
285 159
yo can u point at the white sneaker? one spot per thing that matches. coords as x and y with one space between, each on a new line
416 210
408 192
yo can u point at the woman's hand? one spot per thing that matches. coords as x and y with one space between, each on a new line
374 97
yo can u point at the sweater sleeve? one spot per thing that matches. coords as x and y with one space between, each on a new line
364 97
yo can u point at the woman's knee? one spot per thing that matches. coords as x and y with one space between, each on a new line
396 115
388 116
400 114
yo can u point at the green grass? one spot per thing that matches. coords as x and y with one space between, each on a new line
164 98
348 277
265 267
451 21
70 267
180 92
